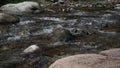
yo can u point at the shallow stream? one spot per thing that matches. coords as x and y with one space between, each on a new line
93 31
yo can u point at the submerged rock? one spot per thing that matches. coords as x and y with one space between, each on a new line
86 61
27 7
112 52
31 62
63 35
8 19
31 49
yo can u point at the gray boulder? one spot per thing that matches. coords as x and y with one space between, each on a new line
23 7
8 19
86 61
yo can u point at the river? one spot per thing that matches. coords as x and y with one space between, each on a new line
93 30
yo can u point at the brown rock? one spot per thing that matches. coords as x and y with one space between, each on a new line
87 61
112 52
31 62
8 19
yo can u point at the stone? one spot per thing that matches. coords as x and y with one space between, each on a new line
61 1
12 62
112 52
63 35
113 1
8 19
31 62
31 49
117 6
23 7
86 61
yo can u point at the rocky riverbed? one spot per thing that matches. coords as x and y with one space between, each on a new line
58 31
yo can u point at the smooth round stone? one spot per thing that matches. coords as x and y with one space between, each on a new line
31 49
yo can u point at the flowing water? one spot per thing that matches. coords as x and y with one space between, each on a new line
94 31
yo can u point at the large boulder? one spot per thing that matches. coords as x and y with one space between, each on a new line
23 7
12 62
86 61
111 53
8 19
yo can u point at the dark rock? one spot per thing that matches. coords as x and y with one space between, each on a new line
8 19
12 62
59 8
31 62
63 35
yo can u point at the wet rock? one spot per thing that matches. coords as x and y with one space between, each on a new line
12 62
31 62
96 5
35 62
8 48
59 8
117 6
54 8
73 30
31 49
23 7
112 52
63 35
61 1
86 61
8 19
